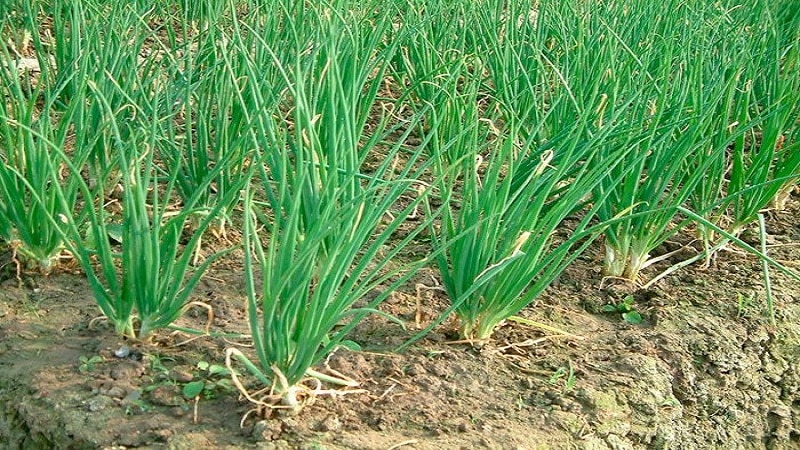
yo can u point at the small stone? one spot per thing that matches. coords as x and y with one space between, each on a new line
415 370
164 435
98 403
116 392
180 376
275 445
109 388
289 423
781 411
487 443
431 384
268 430
311 446
330 424
122 352
126 370
618 443
167 395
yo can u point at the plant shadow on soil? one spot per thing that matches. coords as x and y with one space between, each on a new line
704 370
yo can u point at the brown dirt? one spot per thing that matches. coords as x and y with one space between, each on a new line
704 370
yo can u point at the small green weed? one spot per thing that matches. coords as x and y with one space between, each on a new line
136 406
565 375
157 363
743 304
214 380
88 363
626 309
521 403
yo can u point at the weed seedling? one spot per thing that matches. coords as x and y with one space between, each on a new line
520 403
214 380
157 364
565 375
743 304
626 309
88 363
138 406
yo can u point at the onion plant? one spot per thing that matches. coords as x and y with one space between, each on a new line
14 34
657 184
210 127
509 181
675 127
146 284
512 40
433 49
769 154
329 215
115 111
27 169
202 13
206 80
756 122
503 243
505 199
103 43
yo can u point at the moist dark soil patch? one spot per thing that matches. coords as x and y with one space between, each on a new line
705 370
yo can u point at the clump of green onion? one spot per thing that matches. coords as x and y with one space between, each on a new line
756 123
327 221
505 194
210 128
138 259
30 179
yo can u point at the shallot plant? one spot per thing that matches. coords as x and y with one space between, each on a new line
131 243
621 50
210 126
755 122
765 161
30 179
145 283
515 135
329 211
102 43
503 237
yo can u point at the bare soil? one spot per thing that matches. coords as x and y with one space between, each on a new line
705 370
